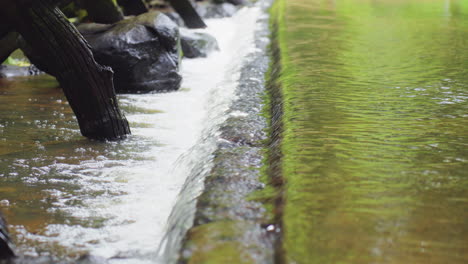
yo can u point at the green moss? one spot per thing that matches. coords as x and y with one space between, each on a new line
217 242
16 62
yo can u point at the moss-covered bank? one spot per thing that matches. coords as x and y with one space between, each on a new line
232 224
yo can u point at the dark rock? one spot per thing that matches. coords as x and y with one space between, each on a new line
6 251
197 44
210 10
7 71
143 51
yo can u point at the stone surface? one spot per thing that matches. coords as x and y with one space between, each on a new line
197 44
143 51
210 10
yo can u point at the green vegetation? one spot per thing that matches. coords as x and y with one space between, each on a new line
218 242
17 58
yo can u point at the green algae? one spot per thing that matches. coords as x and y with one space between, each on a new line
218 242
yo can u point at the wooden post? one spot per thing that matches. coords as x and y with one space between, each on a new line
87 85
8 44
4 29
133 7
190 16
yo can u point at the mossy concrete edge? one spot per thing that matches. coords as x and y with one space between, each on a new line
232 224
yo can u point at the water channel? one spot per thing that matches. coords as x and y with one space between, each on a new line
376 131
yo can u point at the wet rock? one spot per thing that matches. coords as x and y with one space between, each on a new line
197 44
210 10
6 247
143 51
7 71
175 18
88 259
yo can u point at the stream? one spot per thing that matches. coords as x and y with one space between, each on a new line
66 197
370 151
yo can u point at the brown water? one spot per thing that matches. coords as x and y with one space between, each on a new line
42 154
376 131
65 196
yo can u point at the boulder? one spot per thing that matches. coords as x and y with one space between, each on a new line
210 10
7 71
143 51
6 246
197 44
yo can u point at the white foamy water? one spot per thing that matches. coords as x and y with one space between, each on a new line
125 192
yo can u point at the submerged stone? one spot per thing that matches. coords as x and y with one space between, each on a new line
7 71
197 44
210 10
143 51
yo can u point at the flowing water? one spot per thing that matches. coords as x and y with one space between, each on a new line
376 131
65 196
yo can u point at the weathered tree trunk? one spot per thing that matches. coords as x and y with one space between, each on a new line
190 16
87 85
8 44
133 7
103 11
6 251
4 29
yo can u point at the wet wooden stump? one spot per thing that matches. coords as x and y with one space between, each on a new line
87 85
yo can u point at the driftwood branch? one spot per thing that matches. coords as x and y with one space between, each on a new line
6 247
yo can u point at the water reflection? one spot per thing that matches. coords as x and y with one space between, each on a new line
51 177
377 142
